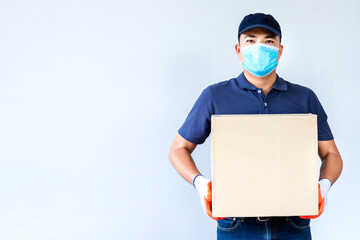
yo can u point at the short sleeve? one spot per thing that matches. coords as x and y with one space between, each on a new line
197 125
324 131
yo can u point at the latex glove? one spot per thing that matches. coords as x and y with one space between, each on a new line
324 187
203 186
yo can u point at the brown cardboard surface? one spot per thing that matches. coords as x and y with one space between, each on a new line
264 165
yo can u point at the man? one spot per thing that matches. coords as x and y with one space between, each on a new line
257 90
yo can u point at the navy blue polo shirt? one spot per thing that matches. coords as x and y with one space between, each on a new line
239 96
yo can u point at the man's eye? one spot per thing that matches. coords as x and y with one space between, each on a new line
270 41
250 40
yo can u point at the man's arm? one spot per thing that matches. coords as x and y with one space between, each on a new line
332 163
180 158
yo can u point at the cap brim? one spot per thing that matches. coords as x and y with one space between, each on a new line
262 26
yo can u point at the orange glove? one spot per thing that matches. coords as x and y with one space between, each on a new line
323 186
203 186
208 203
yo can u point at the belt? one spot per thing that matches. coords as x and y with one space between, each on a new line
262 219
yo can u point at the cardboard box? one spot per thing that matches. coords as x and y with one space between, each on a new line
264 165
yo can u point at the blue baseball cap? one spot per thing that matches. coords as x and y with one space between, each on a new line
259 20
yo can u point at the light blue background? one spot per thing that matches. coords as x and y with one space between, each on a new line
92 94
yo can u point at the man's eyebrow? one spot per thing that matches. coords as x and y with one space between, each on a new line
270 36
267 36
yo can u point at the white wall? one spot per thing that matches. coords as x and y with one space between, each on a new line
92 94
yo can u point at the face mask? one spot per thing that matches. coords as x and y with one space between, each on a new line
260 58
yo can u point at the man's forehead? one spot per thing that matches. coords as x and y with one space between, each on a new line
255 31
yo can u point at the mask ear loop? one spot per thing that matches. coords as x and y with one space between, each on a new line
239 47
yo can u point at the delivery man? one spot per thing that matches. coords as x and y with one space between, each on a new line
257 90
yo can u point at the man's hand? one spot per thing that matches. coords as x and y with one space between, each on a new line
203 186
323 186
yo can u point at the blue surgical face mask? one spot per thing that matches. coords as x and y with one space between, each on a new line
260 58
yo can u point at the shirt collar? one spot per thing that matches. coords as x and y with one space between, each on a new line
243 83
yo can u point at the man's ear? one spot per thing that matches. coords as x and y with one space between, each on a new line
238 51
281 49
280 52
237 48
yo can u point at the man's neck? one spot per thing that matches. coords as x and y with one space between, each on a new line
265 83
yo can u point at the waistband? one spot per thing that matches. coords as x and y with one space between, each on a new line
260 219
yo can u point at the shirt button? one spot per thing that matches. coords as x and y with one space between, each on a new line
265 104
259 91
